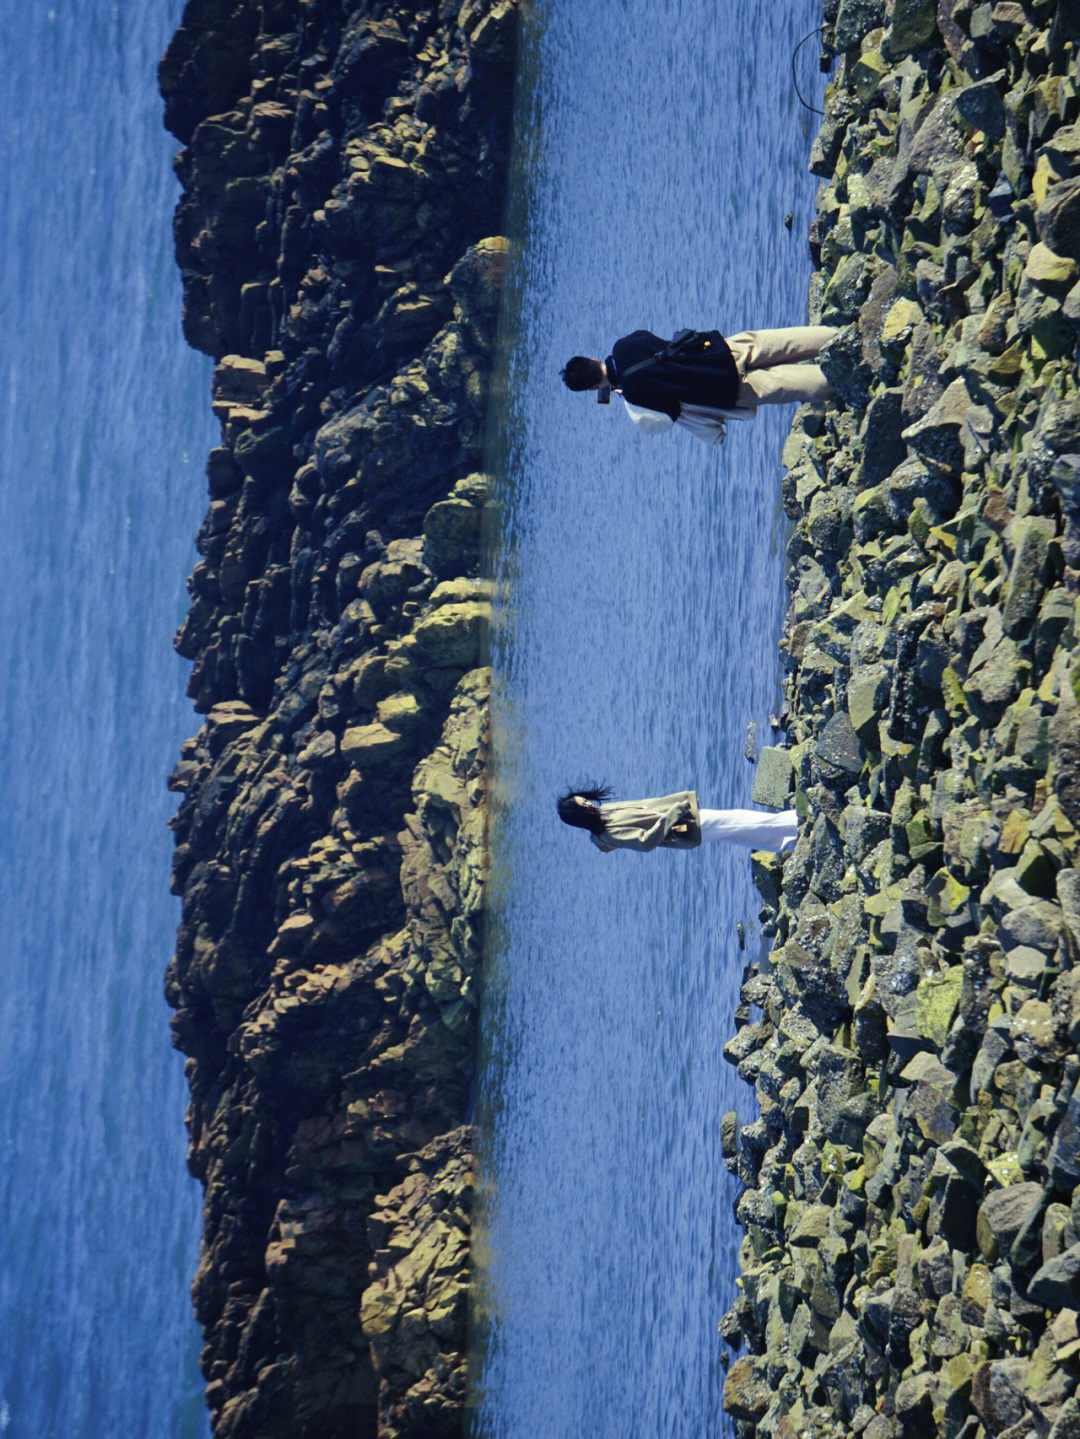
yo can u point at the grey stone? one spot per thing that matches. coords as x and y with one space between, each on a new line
862 830
1067 1423
883 447
981 106
847 289
1025 967
995 1046
1068 893
838 751
937 147
846 368
935 1268
1063 1161
772 778
1057 219
1057 1284
997 1393
868 698
915 1403
995 675
1002 1215
1024 588
1026 1250
960 202
1054 1229
1035 1033
954 432
1037 925
913 25
856 18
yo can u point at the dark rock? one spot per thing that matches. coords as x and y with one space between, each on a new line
1058 218
1003 1214
1057 1284
884 447
915 1404
980 106
954 433
856 18
839 753
1000 199
997 1393
846 368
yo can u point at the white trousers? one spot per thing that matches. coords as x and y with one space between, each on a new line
755 828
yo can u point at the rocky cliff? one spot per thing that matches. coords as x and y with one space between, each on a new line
911 1259
343 173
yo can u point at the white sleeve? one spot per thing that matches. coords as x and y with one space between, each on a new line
649 422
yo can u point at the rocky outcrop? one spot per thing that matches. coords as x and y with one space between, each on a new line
343 175
911 1259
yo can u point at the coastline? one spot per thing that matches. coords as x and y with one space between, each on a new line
343 184
911 1258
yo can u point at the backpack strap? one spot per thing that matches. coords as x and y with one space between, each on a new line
679 345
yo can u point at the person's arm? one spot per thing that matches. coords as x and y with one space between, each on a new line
603 845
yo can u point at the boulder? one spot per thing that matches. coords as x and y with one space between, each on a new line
1002 1215
954 433
772 778
1057 1284
1057 219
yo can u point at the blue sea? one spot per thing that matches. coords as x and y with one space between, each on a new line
639 600
104 426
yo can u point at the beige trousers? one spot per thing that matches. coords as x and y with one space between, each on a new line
769 364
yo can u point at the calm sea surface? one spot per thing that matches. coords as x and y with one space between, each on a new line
104 424
660 146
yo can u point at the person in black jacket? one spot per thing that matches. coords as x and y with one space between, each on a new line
700 380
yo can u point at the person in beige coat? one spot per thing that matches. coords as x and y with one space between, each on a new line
675 821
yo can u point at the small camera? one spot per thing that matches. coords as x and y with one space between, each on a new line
603 395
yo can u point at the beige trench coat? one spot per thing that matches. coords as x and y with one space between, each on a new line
643 824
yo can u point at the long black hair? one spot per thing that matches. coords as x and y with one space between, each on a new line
570 812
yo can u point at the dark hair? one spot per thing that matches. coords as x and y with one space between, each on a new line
570 812
581 373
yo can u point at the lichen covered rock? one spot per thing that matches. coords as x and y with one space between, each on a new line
910 1193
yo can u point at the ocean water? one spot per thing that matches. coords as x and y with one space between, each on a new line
104 425
639 601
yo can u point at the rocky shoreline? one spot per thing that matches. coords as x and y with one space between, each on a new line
911 1257
343 173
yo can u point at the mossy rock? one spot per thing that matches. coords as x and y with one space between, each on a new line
937 1000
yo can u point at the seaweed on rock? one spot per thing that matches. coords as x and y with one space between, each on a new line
343 173
911 1261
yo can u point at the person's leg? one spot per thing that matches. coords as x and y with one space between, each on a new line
783 385
759 349
754 828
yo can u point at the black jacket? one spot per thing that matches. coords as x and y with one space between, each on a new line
701 373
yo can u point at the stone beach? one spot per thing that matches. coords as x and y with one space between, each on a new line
343 185
911 1248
